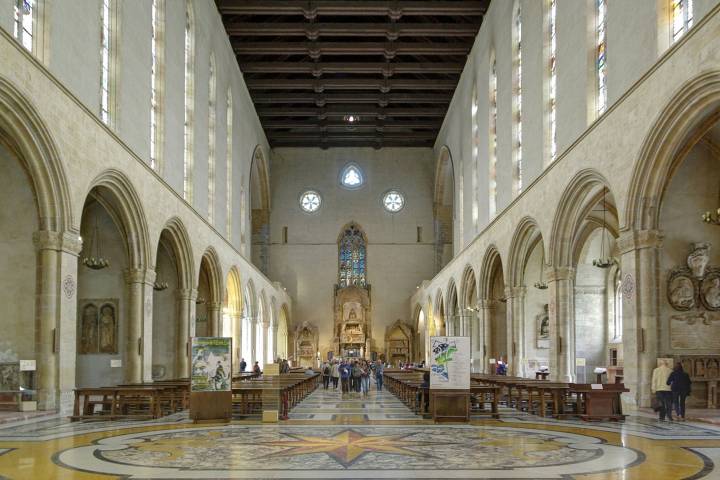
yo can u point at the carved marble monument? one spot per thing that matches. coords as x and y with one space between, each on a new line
353 322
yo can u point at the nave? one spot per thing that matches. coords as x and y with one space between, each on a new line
335 435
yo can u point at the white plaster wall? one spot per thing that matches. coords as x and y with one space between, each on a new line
308 264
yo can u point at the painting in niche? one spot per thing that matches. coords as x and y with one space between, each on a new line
681 291
9 377
98 326
543 328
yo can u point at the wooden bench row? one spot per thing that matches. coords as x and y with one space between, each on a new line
286 390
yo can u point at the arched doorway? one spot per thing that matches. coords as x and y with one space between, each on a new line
496 336
232 314
421 334
469 309
208 304
443 209
282 335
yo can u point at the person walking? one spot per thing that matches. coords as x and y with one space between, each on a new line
345 377
365 378
662 391
680 384
356 374
326 375
335 374
379 371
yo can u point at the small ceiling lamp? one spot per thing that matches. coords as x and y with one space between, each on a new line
711 218
604 261
95 260
351 121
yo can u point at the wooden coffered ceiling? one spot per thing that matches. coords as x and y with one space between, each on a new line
390 64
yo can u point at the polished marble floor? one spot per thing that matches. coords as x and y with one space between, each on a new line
334 436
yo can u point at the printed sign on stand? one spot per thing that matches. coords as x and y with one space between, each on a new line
450 363
211 368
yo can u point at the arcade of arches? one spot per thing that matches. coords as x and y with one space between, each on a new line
551 193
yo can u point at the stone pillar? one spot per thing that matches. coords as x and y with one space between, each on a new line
640 262
515 314
562 323
265 327
138 344
214 312
487 307
186 302
56 318
253 339
274 327
237 341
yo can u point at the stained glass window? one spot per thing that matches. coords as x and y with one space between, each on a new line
492 160
393 201
105 63
154 84
188 123
351 177
228 167
23 30
212 114
474 108
601 60
352 257
682 17
310 201
518 174
553 78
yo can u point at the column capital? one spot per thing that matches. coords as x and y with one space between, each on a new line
630 240
186 293
515 292
555 274
214 306
65 241
140 275
487 304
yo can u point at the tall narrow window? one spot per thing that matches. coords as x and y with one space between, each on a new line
601 54
352 257
228 167
682 17
211 141
492 158
105 45
552 71
618 312
475 154
518 163
155 82
23 28
189 100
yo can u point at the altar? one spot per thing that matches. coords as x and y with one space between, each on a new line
353 324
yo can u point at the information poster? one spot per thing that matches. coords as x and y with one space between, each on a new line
450 363
211 367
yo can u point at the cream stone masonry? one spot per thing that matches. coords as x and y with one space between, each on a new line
67 152
628 154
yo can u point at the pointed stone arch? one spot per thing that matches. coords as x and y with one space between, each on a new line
691 111
444 214
178 240
527 235
260 209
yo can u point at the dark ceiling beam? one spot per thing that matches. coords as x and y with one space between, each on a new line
388 30
394 9
316 49
320 85
359 143
430 123
351 97
272 136
342 110
318 69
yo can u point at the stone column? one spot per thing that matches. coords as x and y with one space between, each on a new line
253 339
640 262
562 323
274 327
214 311
487 307
56 318
138 343
186 300
237 341
515 314
265 327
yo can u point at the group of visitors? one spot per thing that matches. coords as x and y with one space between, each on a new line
353 375
256 368
671 388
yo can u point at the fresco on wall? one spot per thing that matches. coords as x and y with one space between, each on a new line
98 326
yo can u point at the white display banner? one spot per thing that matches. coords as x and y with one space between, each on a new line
450 363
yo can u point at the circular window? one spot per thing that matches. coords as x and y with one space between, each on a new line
393 201
351 177
310 201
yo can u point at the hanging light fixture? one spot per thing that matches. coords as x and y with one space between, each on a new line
604 261
95 259
541 284
710 218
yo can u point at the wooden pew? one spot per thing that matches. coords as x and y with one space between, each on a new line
599 401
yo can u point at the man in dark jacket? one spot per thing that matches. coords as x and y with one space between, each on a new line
679 382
